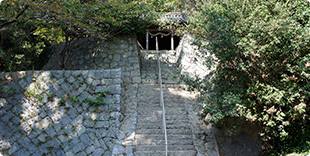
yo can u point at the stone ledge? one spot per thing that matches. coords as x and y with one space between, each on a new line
18 75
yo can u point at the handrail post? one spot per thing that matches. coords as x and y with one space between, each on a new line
147 40
172 41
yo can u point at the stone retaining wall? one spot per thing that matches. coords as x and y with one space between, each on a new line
93 53
122 52
239 137
191 60
60 112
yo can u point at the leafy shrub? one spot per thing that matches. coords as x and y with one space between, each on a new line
263 67
100 96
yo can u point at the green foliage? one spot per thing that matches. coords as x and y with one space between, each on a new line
165 5
97 102
74 99
27 27
30 93
62 102
99 99
263 67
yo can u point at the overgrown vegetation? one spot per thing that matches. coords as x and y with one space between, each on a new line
27 27
263 66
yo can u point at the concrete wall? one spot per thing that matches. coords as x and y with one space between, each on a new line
52 113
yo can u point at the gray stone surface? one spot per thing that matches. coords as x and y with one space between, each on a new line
42 122
126 133
92 53
141 133
244 140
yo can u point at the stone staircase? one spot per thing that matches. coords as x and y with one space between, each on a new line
141 132
149 67
183 138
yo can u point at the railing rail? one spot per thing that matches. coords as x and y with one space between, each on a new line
162 97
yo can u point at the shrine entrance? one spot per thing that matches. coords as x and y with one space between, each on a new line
167 40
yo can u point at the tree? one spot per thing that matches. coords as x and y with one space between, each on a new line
34 22
263 71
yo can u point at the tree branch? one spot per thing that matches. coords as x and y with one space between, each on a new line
15 18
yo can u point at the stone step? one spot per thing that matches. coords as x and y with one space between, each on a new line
159 126
159 131
158 108
159 113
162 137
170 153
156 103
167 112
160 121
155 148
147 111
161 142
167 116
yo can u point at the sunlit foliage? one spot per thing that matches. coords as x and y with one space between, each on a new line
262 52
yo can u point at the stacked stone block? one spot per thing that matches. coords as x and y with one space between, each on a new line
60 112
93 53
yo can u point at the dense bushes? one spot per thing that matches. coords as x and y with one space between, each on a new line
263 65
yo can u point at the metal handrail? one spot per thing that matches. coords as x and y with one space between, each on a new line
162 97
